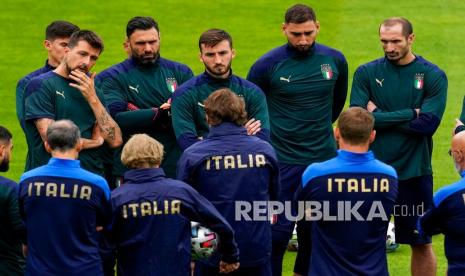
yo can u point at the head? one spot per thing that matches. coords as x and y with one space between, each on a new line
355 128
223 105
396 36
83 50
216 52
300 27
143 38
457 151
56 40
6 146
142 151
63 137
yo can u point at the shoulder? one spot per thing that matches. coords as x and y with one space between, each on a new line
115 70
271 58
448 191
25 80
321 49
245 84
37 82
370 65
318 169
189 86
7 182
430 67
173 65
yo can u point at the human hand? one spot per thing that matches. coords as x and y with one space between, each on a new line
228 267
371 106
253 126
84 83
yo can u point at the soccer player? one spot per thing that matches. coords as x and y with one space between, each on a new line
228 166
138 90
152 214
305 84
62 206
447 214
68 92
12 231
216 53
407 96
56 40
360 193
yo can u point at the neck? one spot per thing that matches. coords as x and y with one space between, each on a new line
353 148
70 154
224 76
62 70
407 59
53 62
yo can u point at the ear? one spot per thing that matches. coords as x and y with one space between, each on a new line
47 147
372 136
200 57
233 52
79 145
2 151
411 38
337 134
47 44
283 28
317 25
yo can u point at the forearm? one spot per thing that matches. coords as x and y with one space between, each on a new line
110 131
130 121
394 118
91 143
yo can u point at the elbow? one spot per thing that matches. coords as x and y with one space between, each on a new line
117 140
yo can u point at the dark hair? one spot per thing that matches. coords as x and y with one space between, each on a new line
63 135
223 105
214 36
5 135
88 36
141 23
60 29
407 28
355 125
299 13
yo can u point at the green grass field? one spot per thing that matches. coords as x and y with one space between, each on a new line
350 26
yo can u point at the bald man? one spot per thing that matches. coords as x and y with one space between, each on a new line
447 215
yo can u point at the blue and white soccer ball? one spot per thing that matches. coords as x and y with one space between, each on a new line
204 241
391 244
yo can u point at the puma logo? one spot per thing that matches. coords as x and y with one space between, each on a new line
380 82
61 94
135 89
288 79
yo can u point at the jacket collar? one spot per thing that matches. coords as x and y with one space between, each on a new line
136 176
225 129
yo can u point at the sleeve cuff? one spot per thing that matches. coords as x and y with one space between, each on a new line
459 129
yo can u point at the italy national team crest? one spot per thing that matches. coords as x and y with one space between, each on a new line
171 84
326 71
418 82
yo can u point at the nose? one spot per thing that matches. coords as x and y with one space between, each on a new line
218 59
302 40
389 47
147 48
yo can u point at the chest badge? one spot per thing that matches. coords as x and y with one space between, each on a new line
418 82
326 71
379 82
172 84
